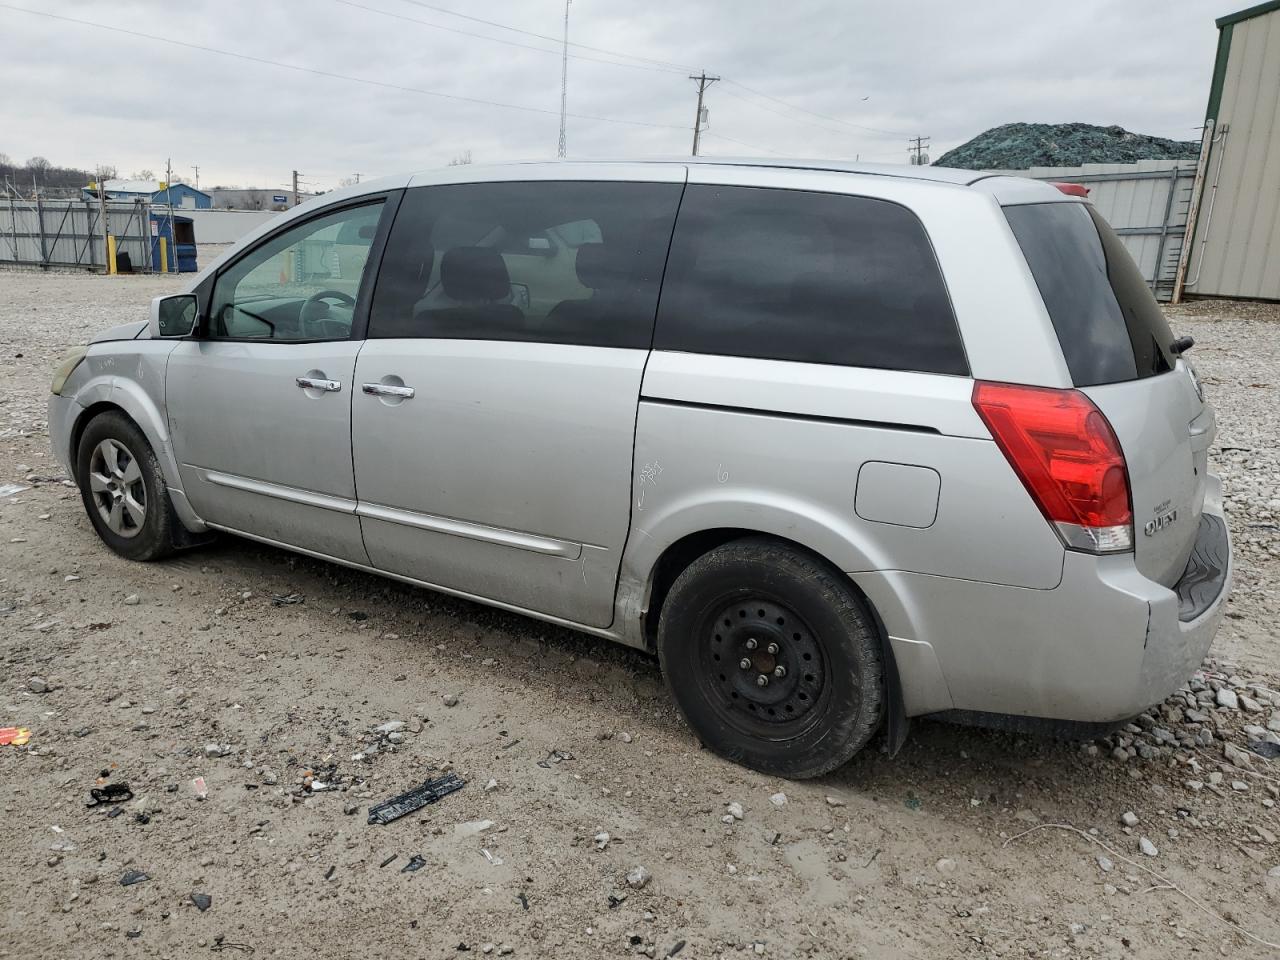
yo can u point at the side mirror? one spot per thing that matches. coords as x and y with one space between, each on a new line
174 316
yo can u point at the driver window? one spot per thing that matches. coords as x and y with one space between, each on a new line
300 285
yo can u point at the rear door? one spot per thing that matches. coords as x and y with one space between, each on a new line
1118 349
494 420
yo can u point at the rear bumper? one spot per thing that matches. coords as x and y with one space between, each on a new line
1102 646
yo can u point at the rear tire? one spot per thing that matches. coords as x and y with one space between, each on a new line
123 489
772 658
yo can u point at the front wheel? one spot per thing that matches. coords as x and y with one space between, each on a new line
772 658
123 488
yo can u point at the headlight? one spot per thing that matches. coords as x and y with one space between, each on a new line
66 367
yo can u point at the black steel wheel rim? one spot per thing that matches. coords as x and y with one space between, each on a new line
762 666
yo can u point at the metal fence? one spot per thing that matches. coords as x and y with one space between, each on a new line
70 233
1146 204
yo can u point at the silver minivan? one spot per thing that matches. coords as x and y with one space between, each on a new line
843 445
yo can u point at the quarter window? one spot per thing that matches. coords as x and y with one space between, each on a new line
813 277
539 261
299 285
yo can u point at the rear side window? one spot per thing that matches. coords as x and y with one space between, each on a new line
1109 325
538 261
813 277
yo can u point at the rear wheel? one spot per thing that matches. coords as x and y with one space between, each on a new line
123 488
772 658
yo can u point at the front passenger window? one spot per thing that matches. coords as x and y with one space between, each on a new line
301 284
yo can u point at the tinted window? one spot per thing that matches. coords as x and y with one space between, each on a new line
549 262
299 285
1110 326
816 277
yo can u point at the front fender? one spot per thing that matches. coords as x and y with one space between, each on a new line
133 381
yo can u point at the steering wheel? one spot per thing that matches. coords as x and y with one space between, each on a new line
314 315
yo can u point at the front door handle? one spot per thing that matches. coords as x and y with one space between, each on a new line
316 383
387 390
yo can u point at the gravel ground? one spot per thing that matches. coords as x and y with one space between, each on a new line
159 674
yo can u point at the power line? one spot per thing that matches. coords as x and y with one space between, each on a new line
335 76
509 43
814 113
542 36
749 146
787 116
661 66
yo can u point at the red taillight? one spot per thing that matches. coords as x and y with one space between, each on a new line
1067 456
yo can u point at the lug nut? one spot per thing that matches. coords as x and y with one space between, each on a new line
745 663
772 648
779 671
751 643
762 681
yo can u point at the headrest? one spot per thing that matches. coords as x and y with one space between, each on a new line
599 267
471 274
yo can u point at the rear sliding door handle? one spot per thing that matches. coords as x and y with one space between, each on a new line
387 390
316 383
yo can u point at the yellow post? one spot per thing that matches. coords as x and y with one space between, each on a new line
164 255
111 254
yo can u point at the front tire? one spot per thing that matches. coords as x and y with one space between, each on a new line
123 488
772 658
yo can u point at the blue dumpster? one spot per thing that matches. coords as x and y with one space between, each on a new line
180 242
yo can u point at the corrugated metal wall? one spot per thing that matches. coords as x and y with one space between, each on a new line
1237 239
1145 202
68 233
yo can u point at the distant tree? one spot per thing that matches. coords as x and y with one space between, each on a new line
108 171
5 161
143 175
38 164
461 160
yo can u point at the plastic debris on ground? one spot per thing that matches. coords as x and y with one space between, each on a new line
554 757
17 736
9 489
1265 748
110 793
415 799
287 599
202 901
416 863
198 787
133 876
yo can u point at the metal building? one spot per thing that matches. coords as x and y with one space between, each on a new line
1235 250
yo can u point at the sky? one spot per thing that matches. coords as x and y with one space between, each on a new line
802 78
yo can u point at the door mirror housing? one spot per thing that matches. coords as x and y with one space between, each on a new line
174 316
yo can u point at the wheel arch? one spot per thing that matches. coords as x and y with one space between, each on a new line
676 558
109 394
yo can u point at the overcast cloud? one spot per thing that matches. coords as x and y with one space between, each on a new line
81 96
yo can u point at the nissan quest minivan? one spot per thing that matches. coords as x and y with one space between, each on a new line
844 445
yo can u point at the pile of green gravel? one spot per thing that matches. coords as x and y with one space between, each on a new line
1016 146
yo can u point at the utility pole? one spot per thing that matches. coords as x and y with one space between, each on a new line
703 82
196 168
168 195
295 188
357 176
102 218
917 151
564 83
